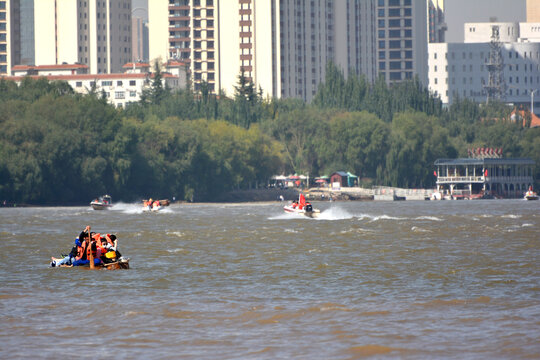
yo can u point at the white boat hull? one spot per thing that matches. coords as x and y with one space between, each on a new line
100 206
312 214
529 195
152 209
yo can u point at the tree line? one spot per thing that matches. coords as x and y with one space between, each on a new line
59 147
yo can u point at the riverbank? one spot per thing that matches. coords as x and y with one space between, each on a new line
322 194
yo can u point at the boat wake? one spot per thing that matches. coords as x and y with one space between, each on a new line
136 209
334 213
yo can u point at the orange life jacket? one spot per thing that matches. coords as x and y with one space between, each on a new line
95 253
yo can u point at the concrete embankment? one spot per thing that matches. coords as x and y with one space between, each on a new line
325 194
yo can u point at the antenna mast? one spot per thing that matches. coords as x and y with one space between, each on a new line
496 87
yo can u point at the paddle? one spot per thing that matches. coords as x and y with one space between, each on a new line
91 253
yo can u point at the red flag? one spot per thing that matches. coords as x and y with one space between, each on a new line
302 201
485 173
435 173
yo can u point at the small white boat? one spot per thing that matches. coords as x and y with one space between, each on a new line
102 203
530 195
155 206
303 208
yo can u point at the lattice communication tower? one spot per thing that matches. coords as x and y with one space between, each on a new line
496 87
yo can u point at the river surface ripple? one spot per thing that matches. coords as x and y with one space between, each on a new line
412 279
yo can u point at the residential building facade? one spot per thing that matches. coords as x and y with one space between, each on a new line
16 33
92 32
284 46
436 24
120 89
462 70
533 11
402 40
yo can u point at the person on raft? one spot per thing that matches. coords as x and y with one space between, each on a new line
85 244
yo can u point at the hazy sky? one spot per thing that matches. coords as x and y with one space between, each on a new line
458 12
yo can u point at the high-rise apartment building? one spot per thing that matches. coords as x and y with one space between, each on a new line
533 11
16 33
139 39
284 46
5 37
186 30
402 40
436 24
96 33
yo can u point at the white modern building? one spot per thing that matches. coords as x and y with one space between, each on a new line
92 32
462 69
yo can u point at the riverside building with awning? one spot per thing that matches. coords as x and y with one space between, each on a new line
485 173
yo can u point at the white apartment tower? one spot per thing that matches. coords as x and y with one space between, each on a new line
96 33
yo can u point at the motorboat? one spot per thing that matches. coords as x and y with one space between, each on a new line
102 203
303 208
530 194
154 205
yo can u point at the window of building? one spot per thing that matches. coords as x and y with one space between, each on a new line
132 94
394 13
382 44
119 95
382 65
395 76
395 54
394 23
106 83
78 84
394 34
382 55
132 82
